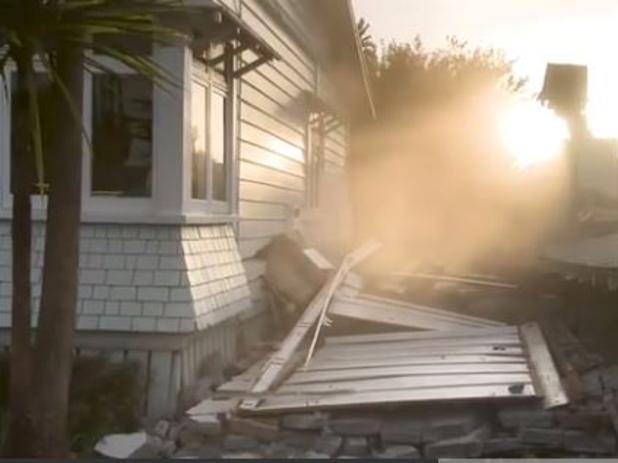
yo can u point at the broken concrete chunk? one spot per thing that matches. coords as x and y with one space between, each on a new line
207 425
518 416
136 445
401 431
355 426
591 384
592 443
303 422
550 438
259 429
355 446
213 406
328 444
298 440
238 443
400 451
162 429
468 446
448 425
498 446
583 419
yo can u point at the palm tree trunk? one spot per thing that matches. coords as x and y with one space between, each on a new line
54 341
20 398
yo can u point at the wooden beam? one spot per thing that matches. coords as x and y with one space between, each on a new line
281 359
545 375
251 66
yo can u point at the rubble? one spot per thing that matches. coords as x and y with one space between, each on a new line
136 445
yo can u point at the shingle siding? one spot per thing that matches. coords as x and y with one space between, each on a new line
146 278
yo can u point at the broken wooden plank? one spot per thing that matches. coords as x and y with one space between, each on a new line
406 382
464 279
381 372
348 263
280 359
416 335
293 403
545 374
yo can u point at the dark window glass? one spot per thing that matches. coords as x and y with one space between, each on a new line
122 135
217 144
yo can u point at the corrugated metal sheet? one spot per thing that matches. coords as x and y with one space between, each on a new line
489 363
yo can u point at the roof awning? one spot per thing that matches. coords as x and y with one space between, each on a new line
328 115
212 23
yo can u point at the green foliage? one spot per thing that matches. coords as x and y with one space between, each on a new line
407 77
104 398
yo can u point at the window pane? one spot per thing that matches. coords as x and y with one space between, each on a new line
44 93
122 135
217 134
198 142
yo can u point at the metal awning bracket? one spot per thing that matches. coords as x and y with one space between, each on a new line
251 66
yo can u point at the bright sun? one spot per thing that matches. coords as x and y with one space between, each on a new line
532 133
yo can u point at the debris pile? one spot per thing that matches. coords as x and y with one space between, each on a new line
425 382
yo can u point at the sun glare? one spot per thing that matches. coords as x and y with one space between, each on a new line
532 133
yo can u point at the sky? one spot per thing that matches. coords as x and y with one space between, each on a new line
532 32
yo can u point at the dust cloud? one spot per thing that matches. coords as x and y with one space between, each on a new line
442 190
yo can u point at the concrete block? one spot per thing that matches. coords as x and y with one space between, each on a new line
355 446
518 416
468 446
583 419
328 444
499 446
239 443
262 430
298 440
120 277
550 438
590 443
144 324
153 294
356 426
401 431
400 451
591 384
122 293
303 422
451 424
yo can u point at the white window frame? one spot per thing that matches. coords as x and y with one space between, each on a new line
114 206
213 82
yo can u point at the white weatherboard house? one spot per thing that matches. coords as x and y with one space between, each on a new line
184 188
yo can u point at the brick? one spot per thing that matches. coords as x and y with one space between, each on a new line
113 261
401 431
112 308
328 444
92 277
238 443
144 324
515 417
167 278
122 293
452 424
143 278
168 325
100 292
120 277
400 451
134 246
93 307
131 308
87 323
499 446
303 422
178 310
154 309
468 446
146 262
355 446
153 293
591 443
115 323
550 438
260 429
